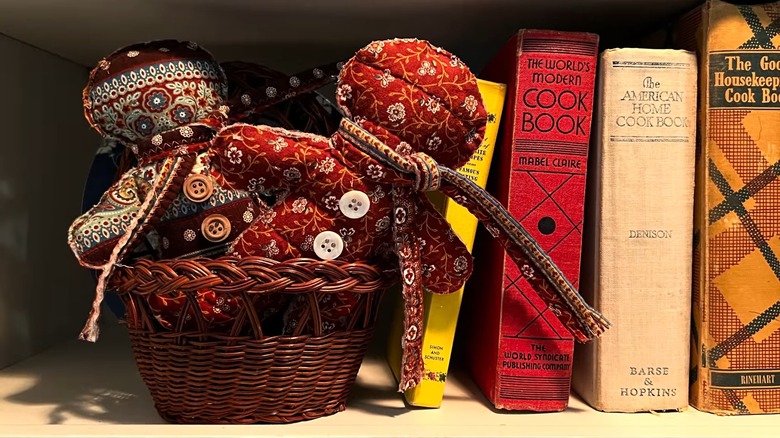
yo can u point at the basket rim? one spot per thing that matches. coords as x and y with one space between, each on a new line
253 274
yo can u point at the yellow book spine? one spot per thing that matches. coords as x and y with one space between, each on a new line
441 311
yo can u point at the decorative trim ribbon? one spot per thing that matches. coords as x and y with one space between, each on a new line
164 191
279 90
584 322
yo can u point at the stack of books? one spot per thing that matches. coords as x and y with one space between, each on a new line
650 176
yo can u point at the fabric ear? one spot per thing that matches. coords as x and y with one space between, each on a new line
447 263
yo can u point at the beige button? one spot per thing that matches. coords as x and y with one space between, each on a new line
198 188
354 204
328 245
215 228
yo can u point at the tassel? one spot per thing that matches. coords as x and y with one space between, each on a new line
91 330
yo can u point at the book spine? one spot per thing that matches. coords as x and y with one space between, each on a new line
544 162
736 314
638 232
441 311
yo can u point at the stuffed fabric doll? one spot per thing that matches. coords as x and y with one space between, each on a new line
165 101
413 112
308 111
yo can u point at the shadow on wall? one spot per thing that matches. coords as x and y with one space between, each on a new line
46 148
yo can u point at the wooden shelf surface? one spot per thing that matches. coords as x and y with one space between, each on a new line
82 389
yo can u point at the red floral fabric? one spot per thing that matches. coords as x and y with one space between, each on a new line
416 98
420 94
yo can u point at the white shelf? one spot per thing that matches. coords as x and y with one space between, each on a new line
93 390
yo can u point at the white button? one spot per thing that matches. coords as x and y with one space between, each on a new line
328 245
354 204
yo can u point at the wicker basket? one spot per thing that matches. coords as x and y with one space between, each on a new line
239 375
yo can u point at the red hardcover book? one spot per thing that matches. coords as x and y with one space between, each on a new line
519 353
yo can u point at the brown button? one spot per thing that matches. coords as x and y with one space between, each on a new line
198 188
215 228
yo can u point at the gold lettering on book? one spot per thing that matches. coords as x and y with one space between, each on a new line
757 379
650 234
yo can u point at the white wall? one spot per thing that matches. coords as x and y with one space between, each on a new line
45 151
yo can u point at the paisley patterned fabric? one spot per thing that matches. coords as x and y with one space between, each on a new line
92 233
149 88
164 99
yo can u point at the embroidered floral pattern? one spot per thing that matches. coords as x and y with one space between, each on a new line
432 104
383 224
299 206
157 101
470 104
327 165
182 114
234 155
277 144
400 215
375 171
472 136
385 78
346 235
292 174
307 243
271 249
396 113
267 217
343 93
426 68
256 184
433 142
377 194
331 202
375 48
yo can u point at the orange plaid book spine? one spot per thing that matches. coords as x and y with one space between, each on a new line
736 307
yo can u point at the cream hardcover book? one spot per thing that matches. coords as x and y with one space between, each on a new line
637 250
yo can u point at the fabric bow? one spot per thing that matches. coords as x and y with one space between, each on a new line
423 174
